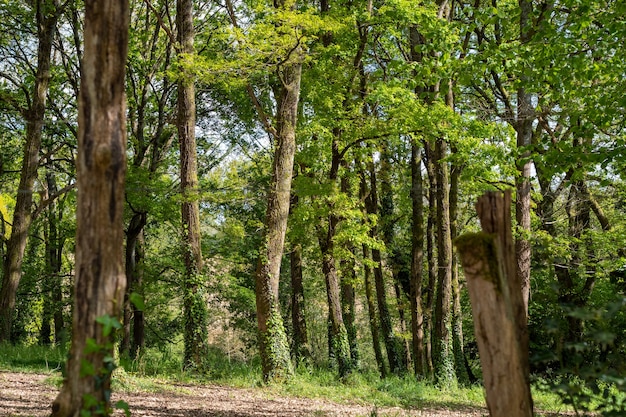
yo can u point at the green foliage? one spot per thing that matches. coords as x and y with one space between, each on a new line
275 354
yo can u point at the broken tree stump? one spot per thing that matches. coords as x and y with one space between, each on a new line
500 323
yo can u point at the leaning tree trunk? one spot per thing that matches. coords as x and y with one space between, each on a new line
194 304
47 13
101 169
273 345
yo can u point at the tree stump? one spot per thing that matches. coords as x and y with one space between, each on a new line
488 260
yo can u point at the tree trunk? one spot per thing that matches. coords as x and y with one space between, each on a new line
133 275
524 131
430 292
462 371
369 290
194 303
53 299
47 13
417 258
489 262
443 359
393 354
300 343
300 347
101 169
273 344
371 308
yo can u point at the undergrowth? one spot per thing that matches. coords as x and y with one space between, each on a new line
160 370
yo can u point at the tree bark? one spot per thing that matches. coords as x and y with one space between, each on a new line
488 259
47 13
395 364
300 343
430 292
101 168
273 344
194 303
524 132
417 258
443 359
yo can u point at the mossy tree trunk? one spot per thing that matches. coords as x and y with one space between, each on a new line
274 348
101 169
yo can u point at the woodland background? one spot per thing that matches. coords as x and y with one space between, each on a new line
398 115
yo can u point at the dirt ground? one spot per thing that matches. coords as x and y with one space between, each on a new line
23 394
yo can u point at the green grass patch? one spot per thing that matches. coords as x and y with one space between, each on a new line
32 358
161 370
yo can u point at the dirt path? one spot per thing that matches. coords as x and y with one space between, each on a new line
23 394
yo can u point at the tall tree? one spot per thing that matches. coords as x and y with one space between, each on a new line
47 14
100 281
272 338
194 303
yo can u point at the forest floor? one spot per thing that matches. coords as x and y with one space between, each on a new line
31 394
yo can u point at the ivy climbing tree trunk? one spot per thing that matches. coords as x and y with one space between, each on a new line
273 345
47 13
101 169
194 303
443 359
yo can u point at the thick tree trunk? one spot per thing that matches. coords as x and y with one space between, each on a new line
372 314
489 262
443 359
273 344
47 14
100 281
417 258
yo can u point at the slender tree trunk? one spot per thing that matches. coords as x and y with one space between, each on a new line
47 14
133 274
417 258
369 289
100 282
372 314
194 304
524 129
273 344
139 334
381 295
300 345
431 287
52 283
443 359
348 290
457 316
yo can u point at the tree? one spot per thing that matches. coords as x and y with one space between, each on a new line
47 14
195 310
100 281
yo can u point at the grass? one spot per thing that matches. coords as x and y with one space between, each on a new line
158 368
